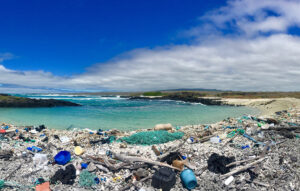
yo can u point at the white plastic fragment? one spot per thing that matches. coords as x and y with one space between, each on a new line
229 180
40 160
64 139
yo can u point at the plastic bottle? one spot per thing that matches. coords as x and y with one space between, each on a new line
188 179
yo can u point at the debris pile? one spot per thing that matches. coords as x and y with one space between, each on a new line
247 153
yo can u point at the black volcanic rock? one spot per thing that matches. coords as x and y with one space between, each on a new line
13 101
184 96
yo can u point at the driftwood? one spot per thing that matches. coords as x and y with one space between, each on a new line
258 183
171 150
114 167
128 159
242 161
242 168
281 129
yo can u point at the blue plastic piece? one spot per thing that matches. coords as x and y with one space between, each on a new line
84 165
183 157
188 179
63 157
192 139
34 149
97 181
245 147
17 131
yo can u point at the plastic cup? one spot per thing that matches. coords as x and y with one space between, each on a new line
188 179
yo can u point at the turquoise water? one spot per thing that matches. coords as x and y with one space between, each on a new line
120 113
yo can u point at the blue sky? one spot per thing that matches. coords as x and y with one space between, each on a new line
66 36
80 45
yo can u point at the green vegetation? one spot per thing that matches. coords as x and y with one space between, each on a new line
157 93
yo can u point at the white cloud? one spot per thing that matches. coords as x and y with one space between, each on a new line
238 64
253 16
249 61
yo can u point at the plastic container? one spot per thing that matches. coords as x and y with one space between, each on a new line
40 160
188 179
164 178
63 157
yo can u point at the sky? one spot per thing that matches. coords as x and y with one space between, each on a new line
133 45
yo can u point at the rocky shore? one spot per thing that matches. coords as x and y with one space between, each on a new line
246 153
13 101
184 96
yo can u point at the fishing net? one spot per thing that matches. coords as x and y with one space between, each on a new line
152 137
86 179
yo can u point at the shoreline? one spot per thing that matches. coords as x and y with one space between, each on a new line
195 145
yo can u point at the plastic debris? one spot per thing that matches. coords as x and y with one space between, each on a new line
229 180
188 179
152 137
215 139
164 178
86 179
34 149
78 150
40 160
65 176
63 157
217 163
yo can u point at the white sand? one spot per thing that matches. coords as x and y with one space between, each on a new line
266 106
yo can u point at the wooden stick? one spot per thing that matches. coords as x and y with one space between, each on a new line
128 159
258 183
242 161
242 168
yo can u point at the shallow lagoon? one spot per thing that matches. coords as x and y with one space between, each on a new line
120 113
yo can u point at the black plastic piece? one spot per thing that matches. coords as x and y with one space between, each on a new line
164 178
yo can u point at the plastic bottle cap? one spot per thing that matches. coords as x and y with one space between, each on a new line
84 165
78 150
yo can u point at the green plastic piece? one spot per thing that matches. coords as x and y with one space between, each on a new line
239 131
152 137
1 184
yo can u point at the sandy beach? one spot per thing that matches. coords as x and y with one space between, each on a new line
267 107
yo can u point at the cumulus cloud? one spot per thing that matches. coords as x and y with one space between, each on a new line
248 60
270 63
255 16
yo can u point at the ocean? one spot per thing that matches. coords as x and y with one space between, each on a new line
100 112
